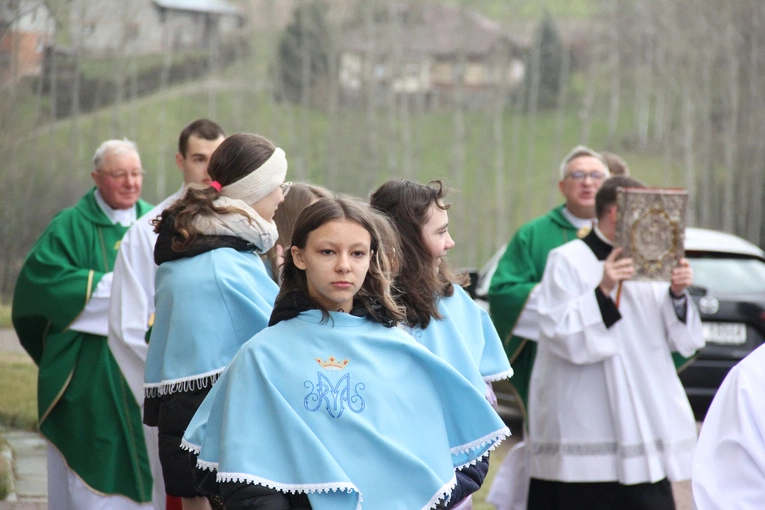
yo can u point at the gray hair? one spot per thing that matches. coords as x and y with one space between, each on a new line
113 147
578 152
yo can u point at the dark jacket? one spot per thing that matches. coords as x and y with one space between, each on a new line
244 496
469 480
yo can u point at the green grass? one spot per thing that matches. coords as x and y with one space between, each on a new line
479 498
6 472
18 392
5 316
515 10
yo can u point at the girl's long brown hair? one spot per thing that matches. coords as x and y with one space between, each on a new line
418 285
300 196
238 156
376 289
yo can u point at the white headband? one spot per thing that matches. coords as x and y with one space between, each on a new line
260 182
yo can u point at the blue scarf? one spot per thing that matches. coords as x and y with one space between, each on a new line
466 338
207 307
348 411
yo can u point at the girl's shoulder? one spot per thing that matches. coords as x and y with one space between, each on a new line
459 298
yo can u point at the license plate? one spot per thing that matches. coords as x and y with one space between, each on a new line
726 333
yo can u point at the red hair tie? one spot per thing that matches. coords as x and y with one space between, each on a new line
216 185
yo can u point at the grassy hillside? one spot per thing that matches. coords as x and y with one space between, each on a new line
515 10
353 154
18 391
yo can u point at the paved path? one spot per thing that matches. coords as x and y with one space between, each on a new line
29 489
9 343
26 450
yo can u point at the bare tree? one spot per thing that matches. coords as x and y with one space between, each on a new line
730 133
375 70
615 71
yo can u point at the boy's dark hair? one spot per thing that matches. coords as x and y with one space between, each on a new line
606 196
238 156
202 128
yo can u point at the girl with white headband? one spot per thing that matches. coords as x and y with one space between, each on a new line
213 291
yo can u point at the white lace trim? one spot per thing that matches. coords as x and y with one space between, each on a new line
185 384
291 488
498 377
190 447
495 437
443 493
206 465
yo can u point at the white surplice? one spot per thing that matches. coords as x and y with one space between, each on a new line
132 298
729 467
606 404
131 308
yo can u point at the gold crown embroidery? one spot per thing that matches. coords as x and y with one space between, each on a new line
332 363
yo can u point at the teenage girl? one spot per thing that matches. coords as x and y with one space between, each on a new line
332 407
213 291
301 196
439 312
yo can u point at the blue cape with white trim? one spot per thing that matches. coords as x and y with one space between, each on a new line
466 338
207 307
351 412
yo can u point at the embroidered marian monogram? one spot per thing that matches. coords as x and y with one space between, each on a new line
340 395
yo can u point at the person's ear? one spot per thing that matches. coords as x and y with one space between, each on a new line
179 161
297 258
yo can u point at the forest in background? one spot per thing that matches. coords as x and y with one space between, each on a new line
674 86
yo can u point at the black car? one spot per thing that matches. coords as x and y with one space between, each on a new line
729 292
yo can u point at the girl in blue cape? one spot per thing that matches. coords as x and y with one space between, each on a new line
333 407
212 291
439 312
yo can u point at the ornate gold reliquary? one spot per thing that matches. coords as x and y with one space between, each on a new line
650 228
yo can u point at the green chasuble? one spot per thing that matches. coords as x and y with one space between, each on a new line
86 409
519 270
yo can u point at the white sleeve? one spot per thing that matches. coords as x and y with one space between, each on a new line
570 320
729 465
683 337
527 325
94 318
132 305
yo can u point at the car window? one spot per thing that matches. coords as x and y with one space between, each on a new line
729 275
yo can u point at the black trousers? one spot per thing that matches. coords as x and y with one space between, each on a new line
546 495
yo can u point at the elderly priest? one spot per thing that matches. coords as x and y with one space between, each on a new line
96 450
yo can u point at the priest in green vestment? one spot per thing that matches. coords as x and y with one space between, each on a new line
519 271
97 454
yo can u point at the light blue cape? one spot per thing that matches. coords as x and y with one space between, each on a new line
466 338
207 307
348 411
